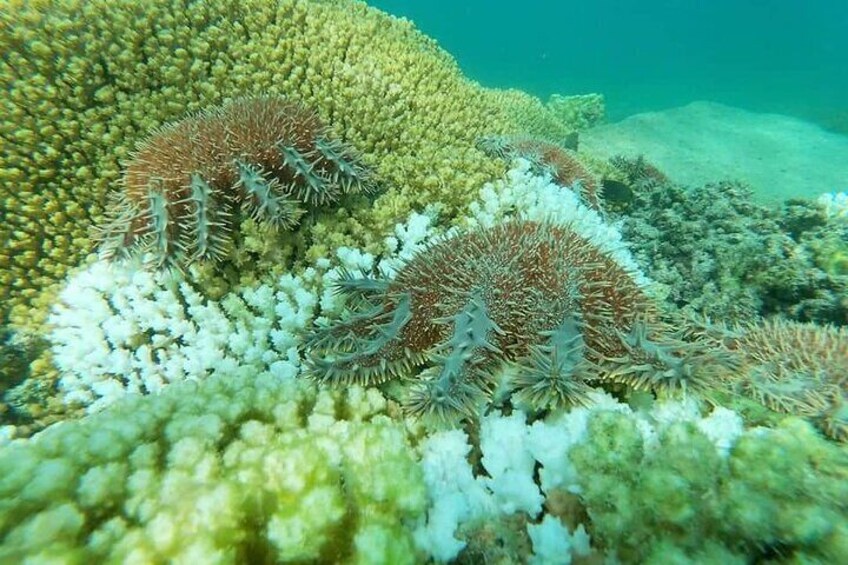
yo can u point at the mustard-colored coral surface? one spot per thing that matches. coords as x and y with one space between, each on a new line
85 81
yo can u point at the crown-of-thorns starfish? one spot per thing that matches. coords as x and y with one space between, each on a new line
187 186
795 368
562 164
536 296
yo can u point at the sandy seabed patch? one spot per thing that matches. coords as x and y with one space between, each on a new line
778 156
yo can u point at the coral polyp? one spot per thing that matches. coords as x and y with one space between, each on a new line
188 185
534 298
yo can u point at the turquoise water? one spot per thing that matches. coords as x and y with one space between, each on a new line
779 56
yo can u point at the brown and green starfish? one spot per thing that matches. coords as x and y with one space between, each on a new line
535 296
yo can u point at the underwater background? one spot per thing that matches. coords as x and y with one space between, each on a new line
302 281
784 56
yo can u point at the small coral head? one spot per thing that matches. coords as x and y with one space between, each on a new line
188 184
466 304
836 263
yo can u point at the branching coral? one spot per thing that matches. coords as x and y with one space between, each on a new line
663 484
118 331
778 494
253 466
187 184
248 466
245 467
86 81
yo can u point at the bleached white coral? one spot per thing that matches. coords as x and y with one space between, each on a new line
525 463
524 194
455 495
510 449
835 204
520 194
553 544
723 427
408 238
510 471
118 330
550 438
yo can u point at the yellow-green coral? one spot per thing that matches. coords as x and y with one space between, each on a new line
831 253
779 496
243 468
86 80
527 114
580 112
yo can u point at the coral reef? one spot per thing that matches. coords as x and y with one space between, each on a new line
245 468
777 495
185 432
187 185
719 254
86 81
